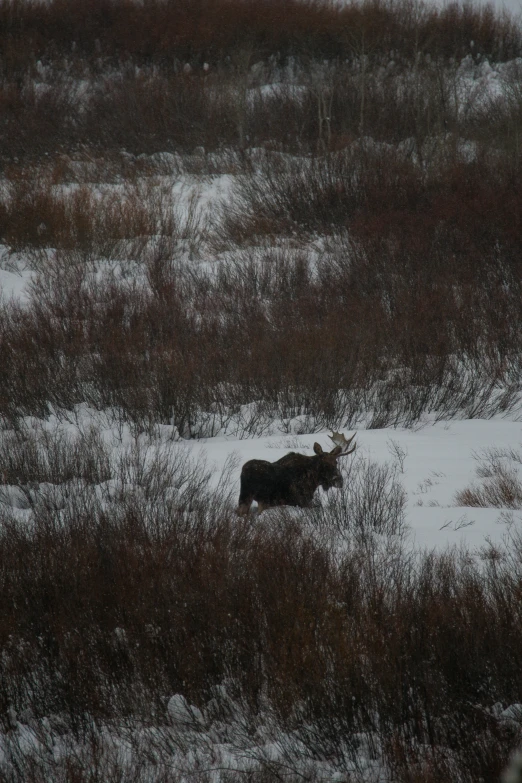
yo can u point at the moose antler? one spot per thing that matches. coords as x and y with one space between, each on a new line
340 441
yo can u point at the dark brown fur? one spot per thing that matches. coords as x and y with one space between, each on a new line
291 481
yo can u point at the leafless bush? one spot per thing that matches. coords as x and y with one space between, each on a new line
286 195
297 344
124 577
38 118
170 35
371 501
501 485
35 454
110 224
160 81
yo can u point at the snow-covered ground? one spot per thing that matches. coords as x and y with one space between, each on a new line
438 460
433 463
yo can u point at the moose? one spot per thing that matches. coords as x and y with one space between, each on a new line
293 479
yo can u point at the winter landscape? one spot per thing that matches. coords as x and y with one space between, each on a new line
229 230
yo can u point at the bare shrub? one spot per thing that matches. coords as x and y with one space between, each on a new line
159 79
285 195
34 454
309 345
501 484
128 31
150 113
36 214
371 501
38 118
59 470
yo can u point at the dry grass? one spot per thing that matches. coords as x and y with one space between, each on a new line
501 483
115 223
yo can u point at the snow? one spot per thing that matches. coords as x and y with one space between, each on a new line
184 715
439 461
13 285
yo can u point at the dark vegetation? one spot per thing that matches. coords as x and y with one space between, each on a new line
199 31
365 268
163 76
412 306
114 599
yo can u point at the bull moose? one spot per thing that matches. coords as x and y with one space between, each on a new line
293 479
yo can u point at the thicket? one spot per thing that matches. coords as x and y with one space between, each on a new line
198 31
132 580
158 76
404 311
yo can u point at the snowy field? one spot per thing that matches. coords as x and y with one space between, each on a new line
429 465
433 462
437 461
167 317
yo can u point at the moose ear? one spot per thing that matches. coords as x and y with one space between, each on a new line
317 448
336 452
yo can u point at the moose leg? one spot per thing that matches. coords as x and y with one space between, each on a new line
245 501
